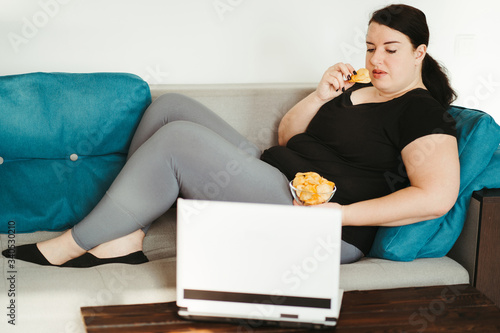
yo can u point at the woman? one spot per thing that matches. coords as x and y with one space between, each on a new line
388 145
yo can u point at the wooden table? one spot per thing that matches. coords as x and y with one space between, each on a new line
456 308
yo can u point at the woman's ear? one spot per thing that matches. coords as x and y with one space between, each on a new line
420 52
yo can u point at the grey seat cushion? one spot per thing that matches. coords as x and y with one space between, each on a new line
374 273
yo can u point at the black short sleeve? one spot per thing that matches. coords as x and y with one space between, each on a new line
422 116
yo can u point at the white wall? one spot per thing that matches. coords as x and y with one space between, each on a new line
243 41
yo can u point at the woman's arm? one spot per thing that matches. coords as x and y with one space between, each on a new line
332 84
298 118
434 171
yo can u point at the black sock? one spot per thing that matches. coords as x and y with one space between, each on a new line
29 253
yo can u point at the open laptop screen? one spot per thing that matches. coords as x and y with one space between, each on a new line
265 261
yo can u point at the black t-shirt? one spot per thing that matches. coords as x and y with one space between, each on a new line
359 148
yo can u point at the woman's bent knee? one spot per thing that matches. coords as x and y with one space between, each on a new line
171 98
172 102
349 253
178 133
173 106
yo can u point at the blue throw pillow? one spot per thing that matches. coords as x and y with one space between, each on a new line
64 139
478 139
448 232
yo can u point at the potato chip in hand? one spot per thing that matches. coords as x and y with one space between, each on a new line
362 76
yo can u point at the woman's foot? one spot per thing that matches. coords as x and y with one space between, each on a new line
61 251
124 250
120 247
28 252
89 260
53 252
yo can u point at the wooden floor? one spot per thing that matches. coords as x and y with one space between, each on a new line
457 308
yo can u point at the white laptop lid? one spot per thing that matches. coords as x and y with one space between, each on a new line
258 261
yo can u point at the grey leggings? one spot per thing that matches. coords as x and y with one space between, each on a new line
181 148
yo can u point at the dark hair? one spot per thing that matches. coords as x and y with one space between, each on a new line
412 22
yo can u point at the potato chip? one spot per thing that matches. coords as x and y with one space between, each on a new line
312 189
362 76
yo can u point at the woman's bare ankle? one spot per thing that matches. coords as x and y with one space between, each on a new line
120 246
60 249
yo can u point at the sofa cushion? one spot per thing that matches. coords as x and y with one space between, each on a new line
478 138
64 139
51 297
448 231
375 273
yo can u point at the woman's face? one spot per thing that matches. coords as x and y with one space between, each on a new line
393 63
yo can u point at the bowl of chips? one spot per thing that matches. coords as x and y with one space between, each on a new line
309 188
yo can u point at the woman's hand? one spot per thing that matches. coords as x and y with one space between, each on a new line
332 84
335 81
324 205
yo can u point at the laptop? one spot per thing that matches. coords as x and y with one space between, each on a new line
258 264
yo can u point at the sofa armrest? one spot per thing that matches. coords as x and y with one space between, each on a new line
464 251
488 265
477 247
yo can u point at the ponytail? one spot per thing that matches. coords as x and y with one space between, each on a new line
436 81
